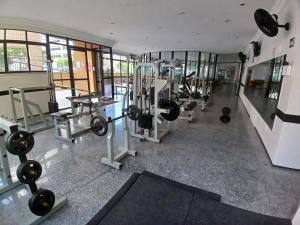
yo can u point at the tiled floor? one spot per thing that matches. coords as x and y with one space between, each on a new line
228 159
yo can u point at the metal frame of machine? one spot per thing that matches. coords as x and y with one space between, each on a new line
153 80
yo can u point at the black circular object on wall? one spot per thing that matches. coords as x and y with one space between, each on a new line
268 23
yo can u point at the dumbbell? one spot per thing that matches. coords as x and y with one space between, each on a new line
29 171
42 200
225 118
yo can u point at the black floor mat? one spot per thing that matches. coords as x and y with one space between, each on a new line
216 213
149 199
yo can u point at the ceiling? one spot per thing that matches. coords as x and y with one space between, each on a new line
221 26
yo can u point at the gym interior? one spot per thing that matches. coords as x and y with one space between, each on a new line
143 112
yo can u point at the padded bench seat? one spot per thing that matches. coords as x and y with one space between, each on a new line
62 115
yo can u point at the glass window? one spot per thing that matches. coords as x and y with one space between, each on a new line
106 68
2 65
1 34
82 87
62 93
60 58
38 57
117 71
124 68
36 37
15 35
124 58
107 87
179 56
79 64
116 56
77 43
106 55
95 46
58 40
166 55
17 57
104 49
154 56
88 45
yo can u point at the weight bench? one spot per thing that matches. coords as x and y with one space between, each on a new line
149 199
62 122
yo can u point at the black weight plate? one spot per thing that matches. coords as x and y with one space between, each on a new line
225 119
41 202
133 112
173 107
266 22
99 126
226 110
29 171
19 143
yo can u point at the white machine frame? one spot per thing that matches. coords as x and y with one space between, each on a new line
156 134
4 164
28 117
112 159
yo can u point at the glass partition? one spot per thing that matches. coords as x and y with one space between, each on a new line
262 87
2 64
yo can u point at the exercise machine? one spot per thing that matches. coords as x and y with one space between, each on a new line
31 122
151 96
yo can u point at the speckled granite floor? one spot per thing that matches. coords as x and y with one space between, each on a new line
226 159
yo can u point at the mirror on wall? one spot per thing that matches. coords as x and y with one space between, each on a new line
262 87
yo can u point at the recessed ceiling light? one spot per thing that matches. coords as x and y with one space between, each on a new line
227 20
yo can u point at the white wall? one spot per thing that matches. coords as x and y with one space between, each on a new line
23 80
282 142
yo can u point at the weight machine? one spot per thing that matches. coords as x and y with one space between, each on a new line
152 95
102 127
42 202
